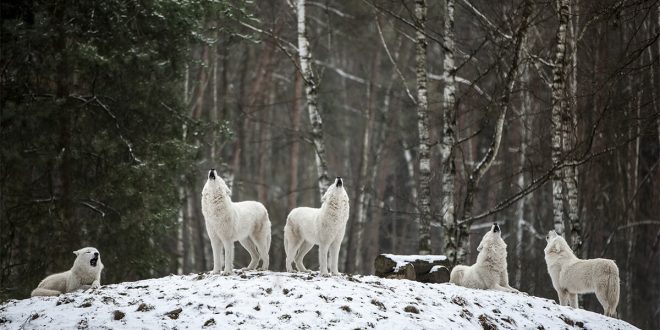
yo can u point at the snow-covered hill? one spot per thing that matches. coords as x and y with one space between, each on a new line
270 300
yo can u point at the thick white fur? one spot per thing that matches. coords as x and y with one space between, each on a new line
227 222
572 276
489 272
81 276
325 227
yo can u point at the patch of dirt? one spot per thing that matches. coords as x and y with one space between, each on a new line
208 323
144 307
458 300
106 300
174 314
64 300
34 316
466 314
567 320
284 317
82 324
411 309
257 308
118 315
345 308
378 304
487 323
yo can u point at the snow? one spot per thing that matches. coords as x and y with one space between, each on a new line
436 268
270 300
402 260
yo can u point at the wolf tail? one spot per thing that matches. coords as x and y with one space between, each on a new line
44 292
456 275
612 290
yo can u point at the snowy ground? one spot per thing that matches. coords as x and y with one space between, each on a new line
269 300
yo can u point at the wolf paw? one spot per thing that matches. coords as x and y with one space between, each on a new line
226 273
325 274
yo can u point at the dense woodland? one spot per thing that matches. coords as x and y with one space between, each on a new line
441 116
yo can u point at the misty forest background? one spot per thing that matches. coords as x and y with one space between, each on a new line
442 117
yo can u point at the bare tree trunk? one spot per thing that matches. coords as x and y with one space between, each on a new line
181 219
570 135
449 135
311 90
525 110
295 145
487 161
559 109
365 188
424 155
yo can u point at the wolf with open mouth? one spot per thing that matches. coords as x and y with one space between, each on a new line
85 274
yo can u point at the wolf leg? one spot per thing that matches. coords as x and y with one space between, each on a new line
249 245
229 257
334 256
45 292
302 252
323 259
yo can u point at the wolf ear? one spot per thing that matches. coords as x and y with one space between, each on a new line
480 247
77 252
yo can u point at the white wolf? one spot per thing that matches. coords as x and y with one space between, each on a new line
85 274
325 227
571 275
489 272
227 222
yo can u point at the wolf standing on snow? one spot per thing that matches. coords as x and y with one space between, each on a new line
325 227
227 222
571 275
85 274
489 272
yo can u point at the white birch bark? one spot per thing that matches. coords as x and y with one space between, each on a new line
424 178
311 91
449 134
569 130
558 109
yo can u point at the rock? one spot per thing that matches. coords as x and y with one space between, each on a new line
426 268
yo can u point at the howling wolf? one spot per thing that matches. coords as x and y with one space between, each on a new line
489 272
571 275
325 227
227 222
85 274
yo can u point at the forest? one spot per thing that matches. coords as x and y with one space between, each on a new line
442 117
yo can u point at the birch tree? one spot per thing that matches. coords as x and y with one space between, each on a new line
569 134
491 154
558 109
424 157
449 133
311 91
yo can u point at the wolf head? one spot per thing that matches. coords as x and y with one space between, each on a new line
492 238
215 184
88 258
556 244
335 190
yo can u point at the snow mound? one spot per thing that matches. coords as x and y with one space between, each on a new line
269 300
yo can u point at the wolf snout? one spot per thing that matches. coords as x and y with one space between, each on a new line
339 182
212 174
96 254
496 227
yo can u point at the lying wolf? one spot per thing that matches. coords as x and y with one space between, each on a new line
85 274
228 222
489 272
571 275
325 227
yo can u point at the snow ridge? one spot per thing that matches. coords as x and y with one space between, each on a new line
270 300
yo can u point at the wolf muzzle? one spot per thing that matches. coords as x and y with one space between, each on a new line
212 174
339 182
496 227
